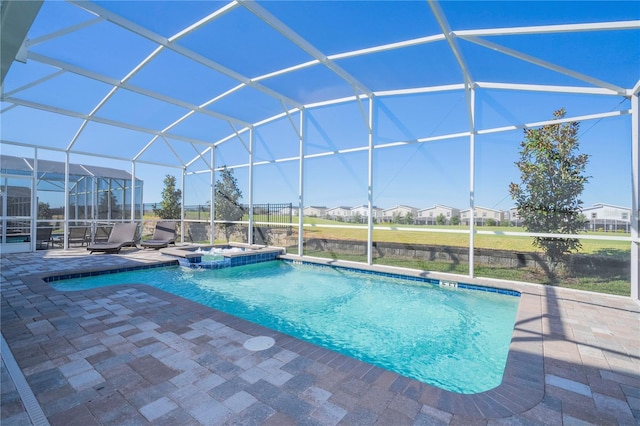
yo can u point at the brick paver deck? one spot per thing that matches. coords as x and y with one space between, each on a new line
132 354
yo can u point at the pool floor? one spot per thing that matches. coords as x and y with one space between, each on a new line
139 355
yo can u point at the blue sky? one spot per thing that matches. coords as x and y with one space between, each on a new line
419 175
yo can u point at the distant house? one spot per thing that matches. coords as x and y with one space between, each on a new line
607 217
514 217
363 211
315 211
293 211
482 215
398 211
428 216
339 213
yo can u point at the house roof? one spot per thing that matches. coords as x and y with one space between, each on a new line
56 168
439 206
600 205
482 208
400 207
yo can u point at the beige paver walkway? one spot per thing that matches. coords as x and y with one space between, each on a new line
132 354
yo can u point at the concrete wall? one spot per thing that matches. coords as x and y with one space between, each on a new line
503 258
281 237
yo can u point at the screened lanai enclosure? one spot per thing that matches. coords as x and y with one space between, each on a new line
33 202
377 132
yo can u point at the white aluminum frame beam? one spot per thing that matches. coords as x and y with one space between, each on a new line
436 138
545 64
600 26
207 19
635 197
87 154
34 200
370 181
132 88
552 29
301 147
453 45
354 53
251 151
471 106
66 201
389 46
160 40
62 32
292 36
199 155
112 92
34 83
519 126
182 185
212 195
392 227
581 90
133 195
114 123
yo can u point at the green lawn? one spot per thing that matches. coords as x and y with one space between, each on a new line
502 242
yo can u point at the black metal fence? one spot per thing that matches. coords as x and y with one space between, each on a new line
270 212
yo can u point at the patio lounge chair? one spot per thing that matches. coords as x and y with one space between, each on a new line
122 234
102 234
163 235
78 234
43 237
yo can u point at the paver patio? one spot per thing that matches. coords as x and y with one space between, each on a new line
132 354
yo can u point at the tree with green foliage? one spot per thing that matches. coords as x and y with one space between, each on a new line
108 207
170 207
228 196
357 217
455 220
552 180
44 211
441 220
408 218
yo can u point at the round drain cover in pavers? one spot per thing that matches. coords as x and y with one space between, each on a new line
259 343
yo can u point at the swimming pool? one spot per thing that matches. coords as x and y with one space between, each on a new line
451 338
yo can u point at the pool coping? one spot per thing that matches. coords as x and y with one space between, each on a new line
522 386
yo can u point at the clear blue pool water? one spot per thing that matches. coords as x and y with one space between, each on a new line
454 339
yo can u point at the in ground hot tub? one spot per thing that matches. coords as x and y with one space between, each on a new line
222 255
